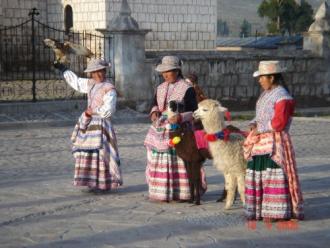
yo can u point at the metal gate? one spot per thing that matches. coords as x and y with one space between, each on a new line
26 64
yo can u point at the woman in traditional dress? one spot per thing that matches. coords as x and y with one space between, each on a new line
272 189
94 141
166 173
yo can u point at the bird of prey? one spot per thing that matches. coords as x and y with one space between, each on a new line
62 50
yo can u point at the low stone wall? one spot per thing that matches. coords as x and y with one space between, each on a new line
227 76
21 90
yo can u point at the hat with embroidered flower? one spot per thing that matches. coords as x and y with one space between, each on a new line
269 67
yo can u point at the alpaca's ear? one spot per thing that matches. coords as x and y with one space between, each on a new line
223 109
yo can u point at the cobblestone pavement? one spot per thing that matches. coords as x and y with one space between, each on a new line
39 207
60 118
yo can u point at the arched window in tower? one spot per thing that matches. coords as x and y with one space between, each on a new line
68 18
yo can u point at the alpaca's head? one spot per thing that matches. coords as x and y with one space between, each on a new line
174 107
211 112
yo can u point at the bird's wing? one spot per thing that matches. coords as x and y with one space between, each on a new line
77 49
58 48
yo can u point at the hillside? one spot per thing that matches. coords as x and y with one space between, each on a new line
235 11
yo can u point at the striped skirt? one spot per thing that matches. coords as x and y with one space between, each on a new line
166 176
99 168
267 192
272 183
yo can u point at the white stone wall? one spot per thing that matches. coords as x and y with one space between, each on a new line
88 15
184 25
55 15
16 11
175 24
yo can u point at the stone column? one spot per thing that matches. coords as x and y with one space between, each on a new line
131 76
317 39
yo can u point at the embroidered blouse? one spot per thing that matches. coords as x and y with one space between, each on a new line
180 91
274 110
102 97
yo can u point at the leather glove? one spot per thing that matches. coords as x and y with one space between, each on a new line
59 66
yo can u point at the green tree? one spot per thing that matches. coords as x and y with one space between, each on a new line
246 28
270 9
304 17
286 15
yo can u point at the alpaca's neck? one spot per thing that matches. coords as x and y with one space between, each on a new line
214 123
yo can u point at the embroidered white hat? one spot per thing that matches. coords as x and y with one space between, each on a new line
169 63
268 67
96 65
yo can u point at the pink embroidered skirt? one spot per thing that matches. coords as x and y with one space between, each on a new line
167 176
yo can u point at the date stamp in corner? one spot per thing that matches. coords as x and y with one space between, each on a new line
281 225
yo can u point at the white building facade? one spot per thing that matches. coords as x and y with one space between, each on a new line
175 24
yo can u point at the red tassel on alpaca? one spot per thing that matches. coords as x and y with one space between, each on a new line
228 115
226 134
210 137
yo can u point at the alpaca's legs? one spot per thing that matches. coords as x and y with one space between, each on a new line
193 169
223 196
224 192
191 180
197 192
192 193
241 187
231 190
196 180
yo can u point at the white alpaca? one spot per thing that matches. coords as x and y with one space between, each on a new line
227 155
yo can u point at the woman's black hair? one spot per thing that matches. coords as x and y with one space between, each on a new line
279 80
180 75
